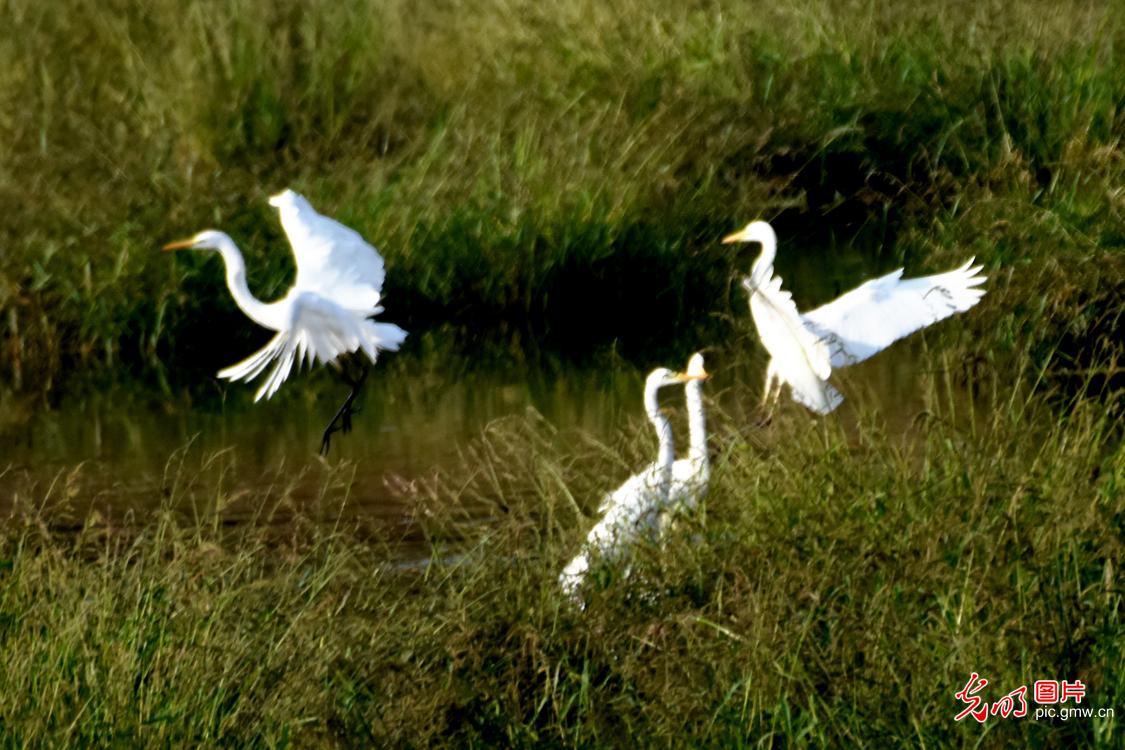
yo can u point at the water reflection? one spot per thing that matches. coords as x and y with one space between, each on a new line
417 410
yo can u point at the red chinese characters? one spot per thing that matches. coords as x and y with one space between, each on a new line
1046 691
1075 690
1014 704
977 708
1006 706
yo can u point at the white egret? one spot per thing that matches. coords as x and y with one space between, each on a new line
797 357
635 507
326 313
804 347
690 475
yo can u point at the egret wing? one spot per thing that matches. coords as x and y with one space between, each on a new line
875 314
689 484
319 330
798 356
782 331
333 260
635 495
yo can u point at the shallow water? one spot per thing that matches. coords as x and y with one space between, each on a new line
408 424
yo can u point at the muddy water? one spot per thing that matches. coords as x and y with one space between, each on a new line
131 445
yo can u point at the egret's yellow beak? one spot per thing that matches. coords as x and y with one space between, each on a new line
687 377
179 244
736 237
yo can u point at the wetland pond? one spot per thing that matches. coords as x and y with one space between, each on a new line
122 451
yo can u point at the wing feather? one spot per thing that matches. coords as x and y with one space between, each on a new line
879 312
797 355
332 260
319 331
781 330
632 510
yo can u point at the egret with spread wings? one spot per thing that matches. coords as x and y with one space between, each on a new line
804 347
327 312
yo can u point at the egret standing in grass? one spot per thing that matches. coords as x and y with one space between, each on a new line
634 508
804 347
326 313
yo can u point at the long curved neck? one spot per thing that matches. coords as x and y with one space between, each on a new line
763 265
258 311
666 455
697 422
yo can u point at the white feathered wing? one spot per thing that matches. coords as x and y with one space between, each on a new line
798 356
339 281
879 312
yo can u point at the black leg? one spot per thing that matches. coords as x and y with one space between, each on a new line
342 422
349 408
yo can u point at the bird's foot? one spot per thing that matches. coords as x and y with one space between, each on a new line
342 422
346 418
326 440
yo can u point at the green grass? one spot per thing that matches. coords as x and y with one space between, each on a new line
837 588
542 165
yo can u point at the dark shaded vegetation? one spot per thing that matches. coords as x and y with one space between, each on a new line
564 169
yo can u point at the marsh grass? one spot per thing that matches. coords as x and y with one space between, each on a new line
837 587
550 166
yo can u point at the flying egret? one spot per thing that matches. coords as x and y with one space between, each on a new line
326 313
690 475
804 347
635 507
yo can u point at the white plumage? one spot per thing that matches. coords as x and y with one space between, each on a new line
804 347
333 260
797 356
326 312
879 312
635 508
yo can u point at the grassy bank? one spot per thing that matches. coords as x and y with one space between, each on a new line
838 588
566 166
